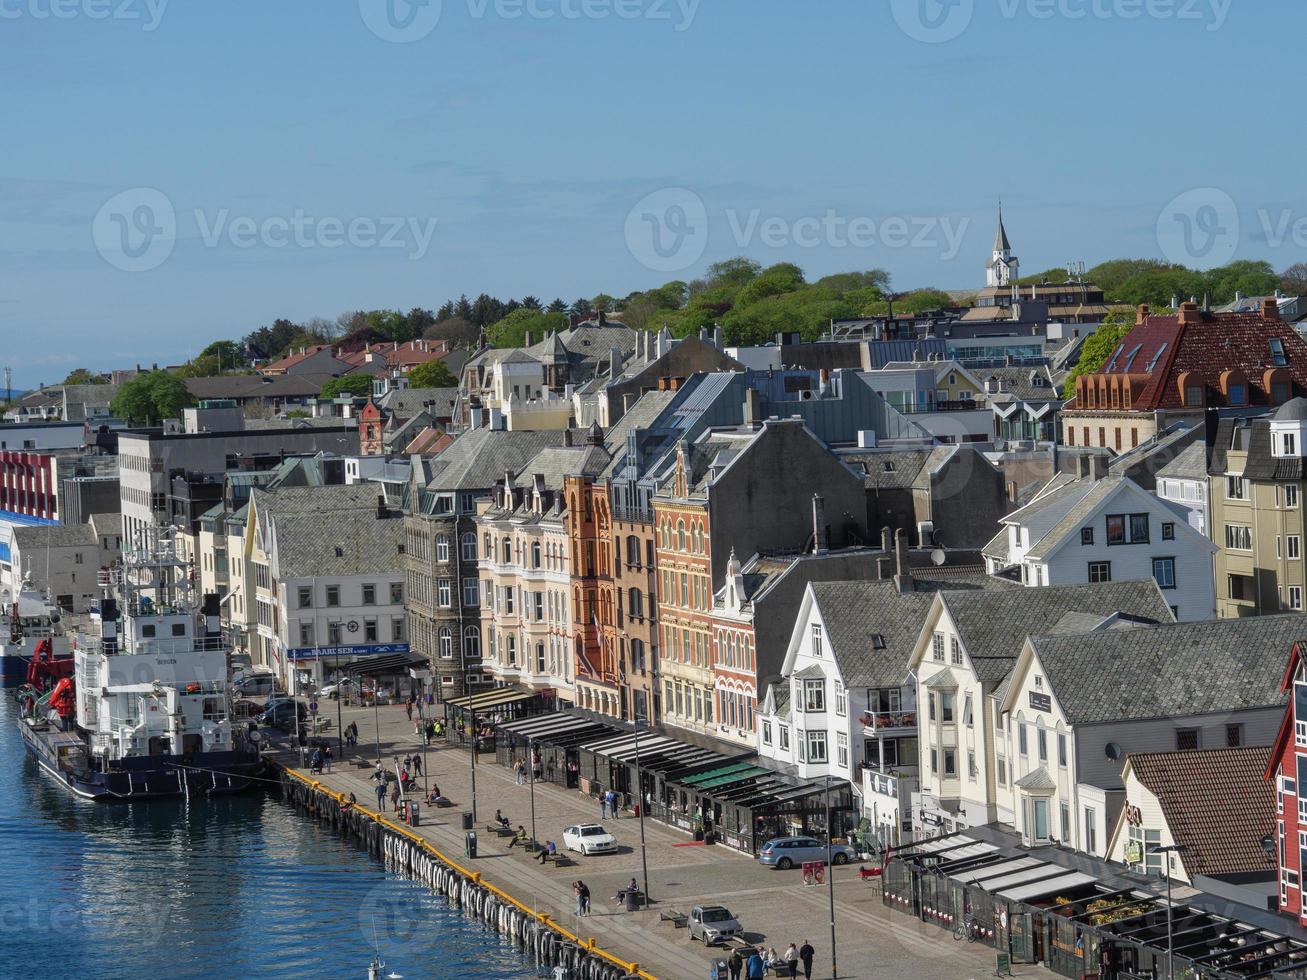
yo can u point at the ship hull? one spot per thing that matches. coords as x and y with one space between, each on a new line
144 778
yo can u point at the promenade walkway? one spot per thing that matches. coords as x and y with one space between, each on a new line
775 907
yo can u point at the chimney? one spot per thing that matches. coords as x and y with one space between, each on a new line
1189 313
752 408
886 540
382 513
902 576
1142 314
1238 295
1270 309
820 534
1082 465
717 336
526 339
1012 491
567 437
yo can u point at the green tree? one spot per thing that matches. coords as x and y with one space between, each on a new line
82 376
1099 345
356 384
511 331
433 374
151 397
228 353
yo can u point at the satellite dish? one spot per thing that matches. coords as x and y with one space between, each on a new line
937 556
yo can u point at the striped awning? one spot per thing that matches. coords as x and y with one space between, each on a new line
494 698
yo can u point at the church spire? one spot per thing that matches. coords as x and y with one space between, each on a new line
1000 239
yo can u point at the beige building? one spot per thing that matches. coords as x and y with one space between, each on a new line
1255 491
525 568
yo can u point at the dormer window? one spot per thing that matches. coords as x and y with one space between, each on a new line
1288 444
1238 394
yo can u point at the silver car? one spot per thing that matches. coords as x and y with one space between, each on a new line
790 852
713 924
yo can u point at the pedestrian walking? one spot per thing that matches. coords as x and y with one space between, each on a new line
806 953
394 798
408 708
576 893
327 757
381 797
519 772
417 765
585 899
792 960
603 803
756 969
735 964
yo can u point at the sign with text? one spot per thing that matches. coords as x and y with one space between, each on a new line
358 650
1041 701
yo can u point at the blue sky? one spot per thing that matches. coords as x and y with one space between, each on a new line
528 133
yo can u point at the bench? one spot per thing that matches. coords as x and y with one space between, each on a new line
678 919
499 831
559 860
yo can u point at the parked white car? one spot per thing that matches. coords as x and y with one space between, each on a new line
589 838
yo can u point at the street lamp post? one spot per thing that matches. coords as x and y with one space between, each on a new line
531 761
422 725
474 766
376 717
830 879
639 794
1168 850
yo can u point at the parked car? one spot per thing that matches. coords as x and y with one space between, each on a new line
332 691
786 852
713 924
286 716
589 838
256 685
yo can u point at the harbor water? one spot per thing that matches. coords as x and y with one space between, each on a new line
235 887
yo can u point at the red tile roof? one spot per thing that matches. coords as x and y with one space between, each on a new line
403 356
1205 346
1216 803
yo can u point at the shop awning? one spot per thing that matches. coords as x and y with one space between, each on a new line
494 698
390 663
941 844
1049 886
996 870
710 777
739 775
1027 876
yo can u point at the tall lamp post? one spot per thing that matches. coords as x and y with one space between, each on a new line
639 794
531 761
1168 850
474 766
830 879
376 716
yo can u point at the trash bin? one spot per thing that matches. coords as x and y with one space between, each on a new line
718 970
634 899
470 844
467 821
413 815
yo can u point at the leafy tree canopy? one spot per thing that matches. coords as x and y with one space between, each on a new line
1099 345
511 331
81 376
151 397
357 384
432 374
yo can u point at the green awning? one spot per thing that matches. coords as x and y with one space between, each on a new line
736 777
703 777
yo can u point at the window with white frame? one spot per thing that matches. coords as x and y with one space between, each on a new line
445 592
783 737
937 648
841 699
1236 488
1295 597
955 651
842 750
442 547
1290 495
766 733
816 639
1292 547
816 743
814 694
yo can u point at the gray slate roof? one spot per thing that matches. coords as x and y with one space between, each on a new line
1174 670
365 542
32 539
318 499
476 459
994 623
1190 464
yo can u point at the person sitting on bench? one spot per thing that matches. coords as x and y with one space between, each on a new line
519 837
502 820
634 886
549 850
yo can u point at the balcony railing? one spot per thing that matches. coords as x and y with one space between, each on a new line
887 721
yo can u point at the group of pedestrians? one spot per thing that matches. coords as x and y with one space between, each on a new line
755 965
609 802
321 758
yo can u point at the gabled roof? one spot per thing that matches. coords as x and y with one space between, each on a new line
359 542
1216 804
994 623
1173 670
476 459
1037 780
1189 464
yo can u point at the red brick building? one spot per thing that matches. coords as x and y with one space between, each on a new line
371 424
1287 767
1174 367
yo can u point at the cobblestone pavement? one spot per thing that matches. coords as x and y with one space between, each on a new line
775 907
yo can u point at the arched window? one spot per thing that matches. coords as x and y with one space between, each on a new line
469 545
471 643
446 643
442 547
508 551
535 554
632 550
680 535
